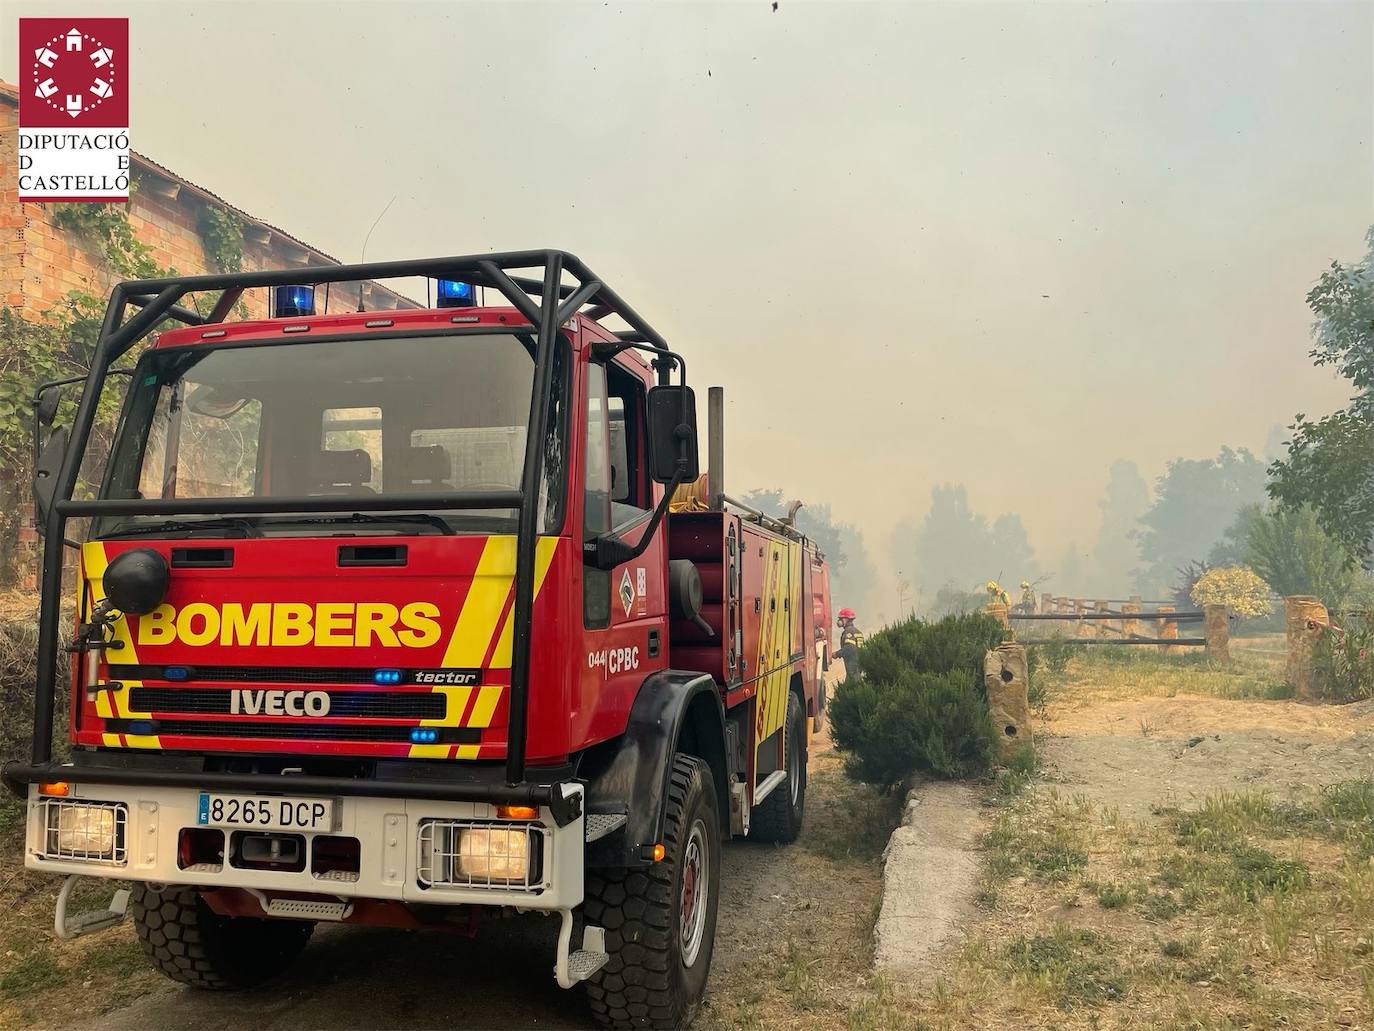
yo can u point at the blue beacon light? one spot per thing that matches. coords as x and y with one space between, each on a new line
291 302
453 294
386 676
424 736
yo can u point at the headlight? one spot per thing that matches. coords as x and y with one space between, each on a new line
494 853
80 831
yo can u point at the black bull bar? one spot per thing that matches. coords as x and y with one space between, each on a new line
154 300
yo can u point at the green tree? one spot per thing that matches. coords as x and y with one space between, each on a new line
1330 461
1294 555
1116 555
953 544
1195 501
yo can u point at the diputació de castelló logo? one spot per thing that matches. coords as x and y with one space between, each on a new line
73 109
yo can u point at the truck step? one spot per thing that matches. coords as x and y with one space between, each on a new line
92 920
587 960
583 964
307 909
600 824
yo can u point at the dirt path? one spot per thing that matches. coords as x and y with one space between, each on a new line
1144 752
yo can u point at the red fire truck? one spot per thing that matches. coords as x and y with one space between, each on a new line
391 618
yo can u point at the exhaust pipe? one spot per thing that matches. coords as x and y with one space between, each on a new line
715 447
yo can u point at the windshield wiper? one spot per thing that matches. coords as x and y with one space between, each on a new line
425 518
142 529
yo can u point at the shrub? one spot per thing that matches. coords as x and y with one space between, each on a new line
1343 663
1057 652
18 652
919 707
1236 587
953 643
917 722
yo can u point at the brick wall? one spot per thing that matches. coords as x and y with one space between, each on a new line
41 263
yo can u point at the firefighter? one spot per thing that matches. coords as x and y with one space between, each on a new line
851 640
1027 603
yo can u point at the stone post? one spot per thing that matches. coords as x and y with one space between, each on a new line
1218 633
1104 626
1168 628
1130 627
1047 603
1307 619
1085 627
1004 676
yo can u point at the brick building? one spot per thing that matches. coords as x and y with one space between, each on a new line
41 263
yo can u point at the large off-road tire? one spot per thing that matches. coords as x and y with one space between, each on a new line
778 818
661 921
197 947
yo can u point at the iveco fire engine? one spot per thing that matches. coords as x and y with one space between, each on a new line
400 617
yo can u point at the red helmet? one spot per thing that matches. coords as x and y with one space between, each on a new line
847 614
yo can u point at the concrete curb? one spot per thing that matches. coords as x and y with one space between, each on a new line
930 875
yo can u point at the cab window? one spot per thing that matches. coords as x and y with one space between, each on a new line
630 495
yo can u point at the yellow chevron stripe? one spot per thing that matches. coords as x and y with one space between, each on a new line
109 704
486 706
491 581
472 634
543 558
429 751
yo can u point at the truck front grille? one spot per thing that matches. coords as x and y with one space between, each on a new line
405 705
289 730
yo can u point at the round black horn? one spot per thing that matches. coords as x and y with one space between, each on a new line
136 581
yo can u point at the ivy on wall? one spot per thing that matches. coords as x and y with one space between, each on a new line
222 234
58 344
107 226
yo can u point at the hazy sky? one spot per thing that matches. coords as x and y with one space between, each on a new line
1002 244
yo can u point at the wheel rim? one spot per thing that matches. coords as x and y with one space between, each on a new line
696 886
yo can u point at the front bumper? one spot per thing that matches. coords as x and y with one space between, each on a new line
396 836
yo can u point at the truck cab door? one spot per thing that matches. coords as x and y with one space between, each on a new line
625 608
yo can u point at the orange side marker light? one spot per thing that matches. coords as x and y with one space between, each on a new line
59 788
517 812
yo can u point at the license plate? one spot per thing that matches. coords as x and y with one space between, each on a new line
265 813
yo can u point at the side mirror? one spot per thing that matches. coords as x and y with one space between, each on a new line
45 472
46 406
673 434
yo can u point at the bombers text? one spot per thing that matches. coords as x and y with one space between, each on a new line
286 624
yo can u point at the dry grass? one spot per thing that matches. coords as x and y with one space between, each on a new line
90 976
1244 910
1112 672
809 964
1100 923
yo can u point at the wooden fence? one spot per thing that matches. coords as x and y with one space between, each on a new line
1096 621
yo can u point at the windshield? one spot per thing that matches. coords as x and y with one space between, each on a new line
359 418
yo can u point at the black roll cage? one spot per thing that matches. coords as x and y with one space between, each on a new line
156 301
